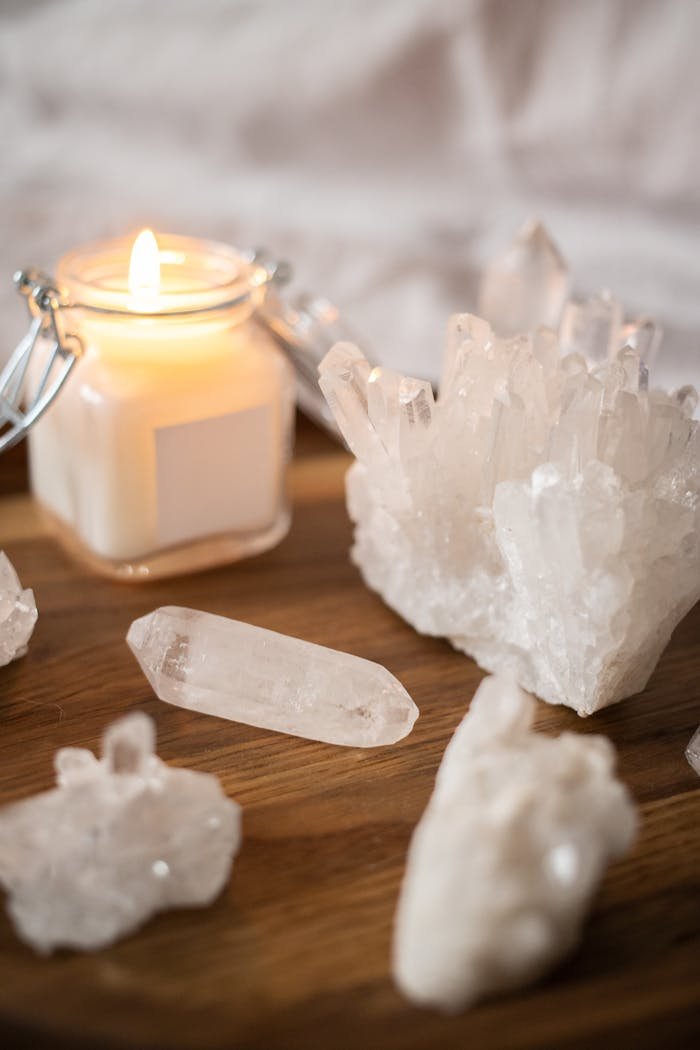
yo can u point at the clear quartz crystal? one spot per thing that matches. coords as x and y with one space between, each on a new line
18 613
119 839
526 286
643 336
687 399
592 328
347 394
692 752
247 674
508 854
544 514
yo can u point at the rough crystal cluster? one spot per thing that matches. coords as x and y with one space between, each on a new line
692 752
247 674
544 514
505 859
17 613
118 839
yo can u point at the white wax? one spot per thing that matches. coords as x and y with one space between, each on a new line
148 398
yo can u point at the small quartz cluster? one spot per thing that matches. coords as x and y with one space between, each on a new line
248 674
18 613
544 514
504 861
118 839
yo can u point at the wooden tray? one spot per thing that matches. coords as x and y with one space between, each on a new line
296 951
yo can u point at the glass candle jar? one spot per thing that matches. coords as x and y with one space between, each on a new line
165 450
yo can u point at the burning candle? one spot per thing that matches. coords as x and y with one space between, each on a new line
166 448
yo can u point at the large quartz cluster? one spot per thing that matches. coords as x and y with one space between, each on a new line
118 839
544 514
18 613
506 857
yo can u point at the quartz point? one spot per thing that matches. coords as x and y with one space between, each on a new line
248 674
594 328
509 852
543 514
526 286
692 752
644 336
18 613
120 838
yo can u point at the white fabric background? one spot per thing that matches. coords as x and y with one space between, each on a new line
386 148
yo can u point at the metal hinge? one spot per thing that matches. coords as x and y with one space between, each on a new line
24 398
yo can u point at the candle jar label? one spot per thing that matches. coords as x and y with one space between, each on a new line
211 472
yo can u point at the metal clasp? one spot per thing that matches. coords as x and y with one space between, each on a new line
20 407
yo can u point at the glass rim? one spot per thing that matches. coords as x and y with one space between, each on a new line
210 276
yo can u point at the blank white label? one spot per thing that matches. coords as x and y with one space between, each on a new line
216 475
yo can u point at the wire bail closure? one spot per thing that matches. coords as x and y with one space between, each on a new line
20 407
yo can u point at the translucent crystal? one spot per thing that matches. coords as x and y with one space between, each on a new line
592 328
644 337
416 412
247 674
119 839
545 513
525 287
346 393
636 374
508 854
687 398
692 752
17 613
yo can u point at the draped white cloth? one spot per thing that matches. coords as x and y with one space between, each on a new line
386 148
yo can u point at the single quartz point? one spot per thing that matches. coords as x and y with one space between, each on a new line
17 613
644 336
687 398
592 328
508 854
692 752
544 514
119 839
247 674
525 287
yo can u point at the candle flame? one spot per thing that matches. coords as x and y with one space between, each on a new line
144 267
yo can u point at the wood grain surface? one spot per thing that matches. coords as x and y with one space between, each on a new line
296 951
